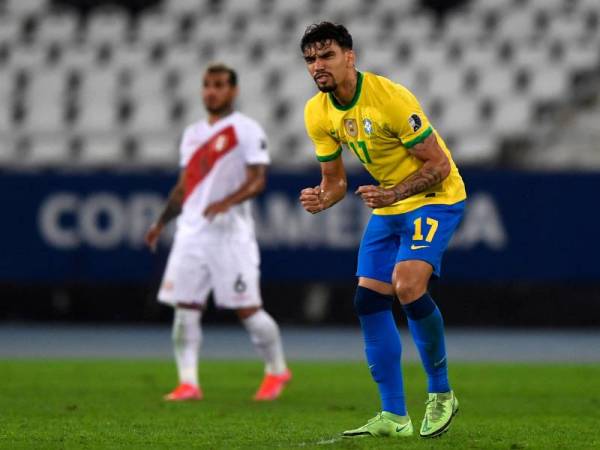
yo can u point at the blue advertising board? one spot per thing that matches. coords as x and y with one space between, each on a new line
89 227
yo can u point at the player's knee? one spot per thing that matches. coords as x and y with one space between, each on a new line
408 289
367 301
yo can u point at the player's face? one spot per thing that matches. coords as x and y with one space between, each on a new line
217 92
328 64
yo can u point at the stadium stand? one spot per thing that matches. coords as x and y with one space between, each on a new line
107 85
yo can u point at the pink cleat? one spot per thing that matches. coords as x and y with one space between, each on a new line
272 385
184 392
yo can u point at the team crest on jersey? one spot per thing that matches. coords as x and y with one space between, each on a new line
368 126
415 122
351 128
221 143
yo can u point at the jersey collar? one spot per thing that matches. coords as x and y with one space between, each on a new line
335 103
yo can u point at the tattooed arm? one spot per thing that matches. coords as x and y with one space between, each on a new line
171 210
436 167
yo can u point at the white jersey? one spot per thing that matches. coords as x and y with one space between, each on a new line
214 158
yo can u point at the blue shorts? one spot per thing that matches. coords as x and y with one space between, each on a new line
422 234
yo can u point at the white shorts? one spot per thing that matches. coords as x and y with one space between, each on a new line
229 268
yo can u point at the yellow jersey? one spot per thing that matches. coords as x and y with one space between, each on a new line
379 125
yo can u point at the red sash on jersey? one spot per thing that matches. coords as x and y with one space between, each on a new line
206 156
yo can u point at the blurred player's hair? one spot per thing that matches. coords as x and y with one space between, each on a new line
219 67
323 32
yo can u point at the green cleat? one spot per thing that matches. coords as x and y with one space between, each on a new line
439 411
384 424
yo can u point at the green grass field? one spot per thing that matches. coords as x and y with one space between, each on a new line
117 404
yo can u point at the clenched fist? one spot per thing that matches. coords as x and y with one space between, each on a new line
311 199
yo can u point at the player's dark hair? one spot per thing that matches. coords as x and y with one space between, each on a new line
320 33
223 68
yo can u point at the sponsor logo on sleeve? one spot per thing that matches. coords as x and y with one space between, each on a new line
415 122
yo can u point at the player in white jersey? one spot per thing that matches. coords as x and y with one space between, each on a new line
223 166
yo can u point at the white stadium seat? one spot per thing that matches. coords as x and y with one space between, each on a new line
96 116
102 150
512 116
99 85
477 147
21 8
6 123
497 82
109 25
10 29
60 28
550 85
44 118
156 27
131 57
146 81
463 27
49 151
186 7
150 115
461 116
183 57
28 57
79 57
159 151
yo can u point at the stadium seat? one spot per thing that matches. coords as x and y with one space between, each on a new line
9 154
157 151
109 25
28 57
105 150
460 116
247 8
511 117
413 30
532 57
182 8
494 81
6 120
581 57
21 8
145 81
218 28
150 115
10 30
550 85
476 148
462 27
131 57
155 26
99 85
44 118
566 29
183 57
516 25
49 152
57 28
447 83
79 57
479 55
96 117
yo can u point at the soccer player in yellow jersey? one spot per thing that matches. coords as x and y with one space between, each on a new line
417 205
